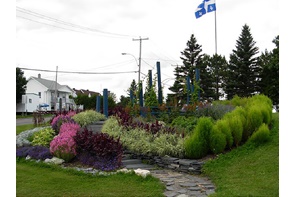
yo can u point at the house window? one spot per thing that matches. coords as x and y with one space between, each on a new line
30 100
39 94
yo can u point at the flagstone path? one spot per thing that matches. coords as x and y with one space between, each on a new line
177 184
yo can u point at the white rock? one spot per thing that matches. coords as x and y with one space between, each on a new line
54 160
142 173
124 170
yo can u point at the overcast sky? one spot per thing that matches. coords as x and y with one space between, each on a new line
91 35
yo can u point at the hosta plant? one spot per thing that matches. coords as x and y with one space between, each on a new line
43 137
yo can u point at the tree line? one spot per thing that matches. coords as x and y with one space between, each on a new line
245 74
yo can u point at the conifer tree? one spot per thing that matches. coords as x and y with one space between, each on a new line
216 66
243 72
192 59
178 86
270 73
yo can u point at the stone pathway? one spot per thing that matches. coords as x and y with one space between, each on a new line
177 184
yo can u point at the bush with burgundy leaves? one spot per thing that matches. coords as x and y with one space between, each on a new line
99 149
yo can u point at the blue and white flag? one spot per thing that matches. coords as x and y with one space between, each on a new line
210 5
200 11
204 7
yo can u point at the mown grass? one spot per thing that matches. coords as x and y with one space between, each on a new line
248 170
39 179
22 128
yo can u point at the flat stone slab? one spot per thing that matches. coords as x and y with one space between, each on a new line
141 166
189 184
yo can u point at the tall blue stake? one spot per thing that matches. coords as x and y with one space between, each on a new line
197 80
105 102
140 95
160 99
98 103
131 97
188 90
150 79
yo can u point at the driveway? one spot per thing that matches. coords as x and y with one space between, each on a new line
25 121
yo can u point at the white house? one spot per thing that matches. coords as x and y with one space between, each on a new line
49 94
30 103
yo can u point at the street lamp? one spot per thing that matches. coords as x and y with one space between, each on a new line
136 64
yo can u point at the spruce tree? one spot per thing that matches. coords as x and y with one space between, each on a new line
243 73
270 73
150 96
178 87
215 71
192 59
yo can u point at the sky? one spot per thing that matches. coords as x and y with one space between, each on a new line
90 36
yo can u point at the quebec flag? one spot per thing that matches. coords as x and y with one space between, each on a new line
204 7
200 11
210 5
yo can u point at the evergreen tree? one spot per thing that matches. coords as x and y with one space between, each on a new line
270 73
216 66
21 83
150 96
134 88
243 73
192 59
178 87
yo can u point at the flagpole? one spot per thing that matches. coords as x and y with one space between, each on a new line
215 34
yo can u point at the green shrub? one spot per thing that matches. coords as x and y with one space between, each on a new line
88 117
236 127
254 118
260 98
43 137
187 124
217 140
216 111
112 127
168 144
238 101
197 145
241 112
137 140
260 136
223 126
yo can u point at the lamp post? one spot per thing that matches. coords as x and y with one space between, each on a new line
136 65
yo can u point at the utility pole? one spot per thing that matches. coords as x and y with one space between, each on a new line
140 40
55 99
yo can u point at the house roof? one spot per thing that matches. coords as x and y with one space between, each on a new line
49 83
85 92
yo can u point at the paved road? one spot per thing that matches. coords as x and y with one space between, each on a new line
25 121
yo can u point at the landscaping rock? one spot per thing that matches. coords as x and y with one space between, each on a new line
55 160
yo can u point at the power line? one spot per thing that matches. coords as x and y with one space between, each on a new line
72 72
51 19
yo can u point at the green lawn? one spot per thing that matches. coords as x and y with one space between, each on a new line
248 170
37 179
22 128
